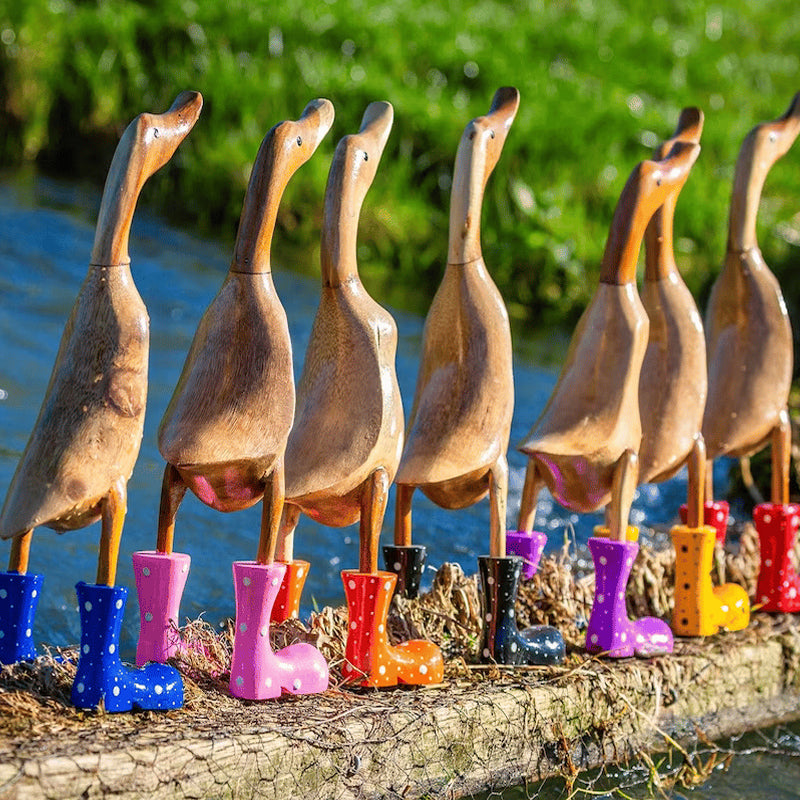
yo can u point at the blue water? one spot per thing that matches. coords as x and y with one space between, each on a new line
46 236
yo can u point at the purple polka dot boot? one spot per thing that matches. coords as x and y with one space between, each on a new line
610 630
19 596
529 546
101 677
407 563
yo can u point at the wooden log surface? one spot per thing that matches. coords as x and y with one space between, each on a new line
448 741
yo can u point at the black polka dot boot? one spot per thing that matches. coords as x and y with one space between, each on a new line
101 676
502 640
407 563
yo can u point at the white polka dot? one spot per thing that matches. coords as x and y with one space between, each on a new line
486 652
488 617
739 603
28 632
119 603
624 637
423 669
792 592
720 516
296 683
767 518
185 568
275 581
243 627
80 687
294 615
600 598
765 599
146 572
86 648
159 689
111 649
513 647
246 581
351 584
490 581
381 670
511 612
115 691
603 560
380 628
795 520
2 634
724 609
593 638
388 586
353 626
767 562
3 594
87 605
396 566
34 593
148 617
300 573
268 682
265 630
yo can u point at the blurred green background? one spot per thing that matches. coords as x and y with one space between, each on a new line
601 84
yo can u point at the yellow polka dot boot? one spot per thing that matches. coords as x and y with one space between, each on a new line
701 608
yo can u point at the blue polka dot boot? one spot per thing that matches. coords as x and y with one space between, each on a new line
101 676
502 640
407 563
19 596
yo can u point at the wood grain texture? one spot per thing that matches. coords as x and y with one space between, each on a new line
464 400
748 334
673 381
226 426
87 435
590 428
349 419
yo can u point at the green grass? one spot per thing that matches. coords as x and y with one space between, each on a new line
601 83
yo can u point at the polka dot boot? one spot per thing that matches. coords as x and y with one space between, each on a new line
160 580
101 677
778 587
529 546
407 563
701 608
715 513
610 631
287 603
502 641
369 658
19 596
256 672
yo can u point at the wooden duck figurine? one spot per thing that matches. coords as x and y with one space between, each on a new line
584 445
345 444
672 396
455 451
749 342
224 432
84 445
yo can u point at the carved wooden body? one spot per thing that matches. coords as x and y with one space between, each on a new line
673 382
748 333
86 439
464 400
224 432
584 445
345 444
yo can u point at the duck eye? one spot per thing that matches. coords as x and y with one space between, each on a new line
491 133
299 141
366 156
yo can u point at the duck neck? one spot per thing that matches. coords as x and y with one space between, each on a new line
466 202
748 183
625 236
338 250
659 253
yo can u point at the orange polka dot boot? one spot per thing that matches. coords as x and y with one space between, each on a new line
701 609
287 603
369 658
778 587
715 513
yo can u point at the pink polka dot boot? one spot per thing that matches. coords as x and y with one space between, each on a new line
529 546
160 580
19 596
101 677
610 630
715 513
778 587
369 658
287 603
256 672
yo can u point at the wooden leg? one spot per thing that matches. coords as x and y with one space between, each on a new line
373 508
173 490
289 519
20 550
781 458
271 512
402 515
113 510
695 496
626 473
498 497
709 479
530 496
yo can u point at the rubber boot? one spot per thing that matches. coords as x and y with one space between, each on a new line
529 546
701 608
369 658
778 587
160 580
610 630
715 514
256 672
19 596
101 676
407 563
287 603
502 641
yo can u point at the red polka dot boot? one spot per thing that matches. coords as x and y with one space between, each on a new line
778 586
287 603
370 658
